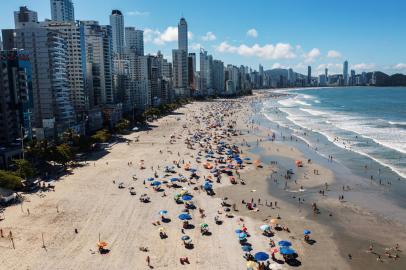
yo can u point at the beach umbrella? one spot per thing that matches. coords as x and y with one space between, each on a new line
251 265
207 186
265 227
246 248
242 235
177 196
247 158
284 243
161 229
150 179
274 221
102 244
163 212
238 231
213 170
204 225
184 216
186 198
185 237
307 232
156 183
261 256
174 179
286 251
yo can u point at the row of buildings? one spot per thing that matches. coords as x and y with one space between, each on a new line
63 73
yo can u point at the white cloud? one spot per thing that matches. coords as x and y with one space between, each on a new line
278 65
268 51
209 36
170 34
333 54
363 67
196 46
311 55
137 13
400 66
252 33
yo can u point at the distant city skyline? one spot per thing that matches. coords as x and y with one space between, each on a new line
274 34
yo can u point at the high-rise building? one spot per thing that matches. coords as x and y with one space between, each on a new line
62 10
53 112
206 73
117 30
218 77
309 75
121 83
25 18
191 71
134 40
180 76
291 77
15 96
139 81
261 76
182 35
99 62
345 72
70 31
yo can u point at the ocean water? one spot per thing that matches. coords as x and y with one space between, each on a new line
366 124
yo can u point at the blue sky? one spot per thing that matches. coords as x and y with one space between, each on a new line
371 34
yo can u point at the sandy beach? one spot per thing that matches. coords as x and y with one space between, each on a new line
90 201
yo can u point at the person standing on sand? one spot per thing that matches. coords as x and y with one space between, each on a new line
148 261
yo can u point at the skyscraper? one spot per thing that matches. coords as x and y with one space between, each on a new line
309 75
99 62
70 31
182 35
117 30
345 72
261 76
191 70
218 77
134 40
62 10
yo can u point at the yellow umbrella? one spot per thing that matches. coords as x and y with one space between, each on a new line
161 229
274 221
251 264
183 192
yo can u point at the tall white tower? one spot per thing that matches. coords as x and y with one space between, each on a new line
117 29
182 35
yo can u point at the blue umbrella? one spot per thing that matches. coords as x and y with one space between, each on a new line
213 170
242 235
306 232
261 256
184 216
163 212
207 186
193 170
186 198
174 179
150 179
246 248
156 183
286 251
247 158
185 237
284 243
238 231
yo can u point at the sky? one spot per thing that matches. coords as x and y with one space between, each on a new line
371 34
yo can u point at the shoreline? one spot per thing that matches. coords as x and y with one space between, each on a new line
90 201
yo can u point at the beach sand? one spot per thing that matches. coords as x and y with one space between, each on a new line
89 201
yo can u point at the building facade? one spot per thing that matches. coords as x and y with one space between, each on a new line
62 10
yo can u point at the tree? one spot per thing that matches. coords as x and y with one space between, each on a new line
9 180
24 169
62 154
122 126
102 136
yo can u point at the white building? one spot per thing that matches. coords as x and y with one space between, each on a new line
98 59
139 82
62 10
70 31
117 30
